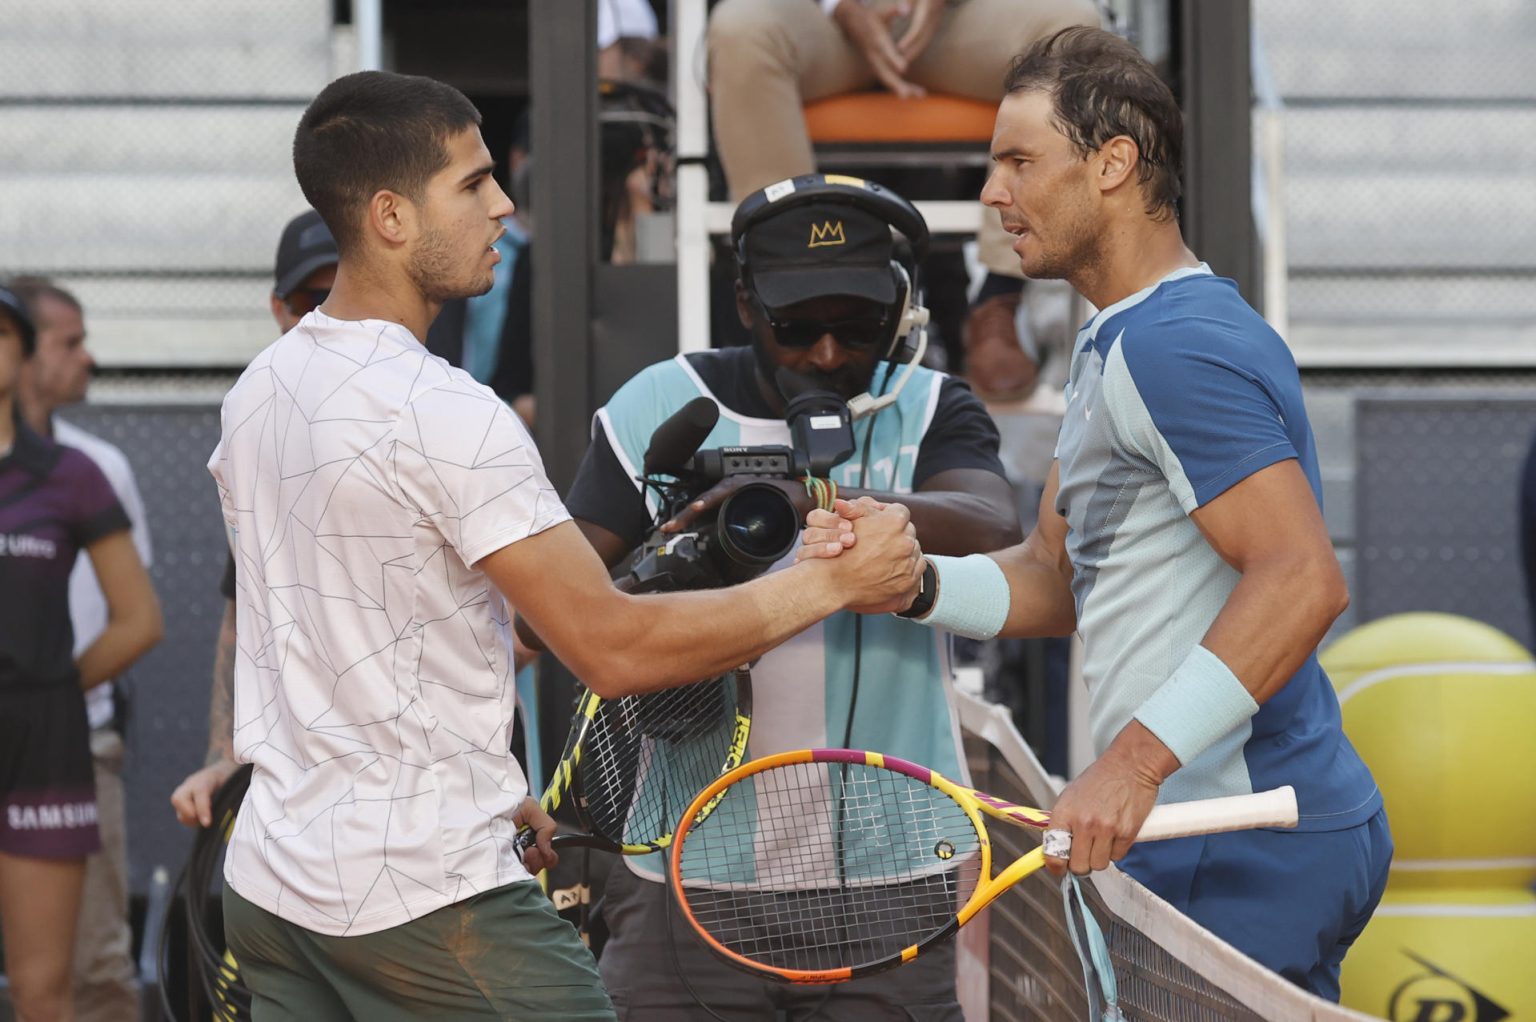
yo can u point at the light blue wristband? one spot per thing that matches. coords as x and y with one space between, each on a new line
973 596
1201 702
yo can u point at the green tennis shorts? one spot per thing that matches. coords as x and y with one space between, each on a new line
501 954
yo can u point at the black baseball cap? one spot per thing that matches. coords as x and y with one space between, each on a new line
818 250
306 246
18 310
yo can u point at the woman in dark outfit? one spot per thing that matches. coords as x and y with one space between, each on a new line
54 503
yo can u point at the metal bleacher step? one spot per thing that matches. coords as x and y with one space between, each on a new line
176 321
1453 219
1401 50
1321 343
146 189
233 49
51 139
1411 187
147 164
1410 152
163 222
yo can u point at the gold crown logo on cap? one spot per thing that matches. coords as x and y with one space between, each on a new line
827 233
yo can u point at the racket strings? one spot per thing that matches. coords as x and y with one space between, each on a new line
809 866
646 757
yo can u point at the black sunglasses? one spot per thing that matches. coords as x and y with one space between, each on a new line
306 300
860 333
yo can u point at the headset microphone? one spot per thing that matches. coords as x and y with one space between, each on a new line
913 323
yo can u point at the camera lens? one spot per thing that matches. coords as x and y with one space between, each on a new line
758 525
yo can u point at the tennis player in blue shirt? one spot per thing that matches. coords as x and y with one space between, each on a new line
1181 533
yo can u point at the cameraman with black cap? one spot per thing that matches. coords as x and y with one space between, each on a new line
832 311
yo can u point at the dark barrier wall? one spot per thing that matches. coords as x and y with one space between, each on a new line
1437 483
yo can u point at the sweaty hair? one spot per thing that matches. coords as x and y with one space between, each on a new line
1101 86
374 130
32 290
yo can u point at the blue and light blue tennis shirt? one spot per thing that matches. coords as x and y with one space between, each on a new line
1177 393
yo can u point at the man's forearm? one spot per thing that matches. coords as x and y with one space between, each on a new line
619 644
1290 589
1141 753
663 639
1274 619
221 718
1040 591
684 637
1032 593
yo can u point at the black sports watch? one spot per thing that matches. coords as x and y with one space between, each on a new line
927 592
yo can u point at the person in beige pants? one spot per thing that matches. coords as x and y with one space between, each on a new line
769 57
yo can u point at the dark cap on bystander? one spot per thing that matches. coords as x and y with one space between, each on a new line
306 246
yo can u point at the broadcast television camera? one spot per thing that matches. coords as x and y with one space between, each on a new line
756 525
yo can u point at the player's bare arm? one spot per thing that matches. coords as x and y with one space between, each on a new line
1269 528
620 644
1040 574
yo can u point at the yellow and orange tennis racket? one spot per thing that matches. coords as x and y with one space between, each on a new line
824 865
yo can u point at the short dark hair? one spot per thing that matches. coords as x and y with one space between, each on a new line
374 130
1101 86
32 289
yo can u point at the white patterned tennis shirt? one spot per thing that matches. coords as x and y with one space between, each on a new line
363 479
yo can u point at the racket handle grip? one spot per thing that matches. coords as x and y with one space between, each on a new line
1275 808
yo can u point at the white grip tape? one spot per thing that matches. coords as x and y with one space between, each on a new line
1274 808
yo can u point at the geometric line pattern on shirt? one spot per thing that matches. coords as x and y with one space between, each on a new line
363 478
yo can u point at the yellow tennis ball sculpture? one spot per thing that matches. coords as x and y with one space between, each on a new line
1446 955
1442 709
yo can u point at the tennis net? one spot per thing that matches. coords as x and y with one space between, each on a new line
1021 962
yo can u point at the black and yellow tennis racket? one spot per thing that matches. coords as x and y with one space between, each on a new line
632 765
825 865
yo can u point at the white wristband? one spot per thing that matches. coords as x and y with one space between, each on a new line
973 596
828 6
1201 702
